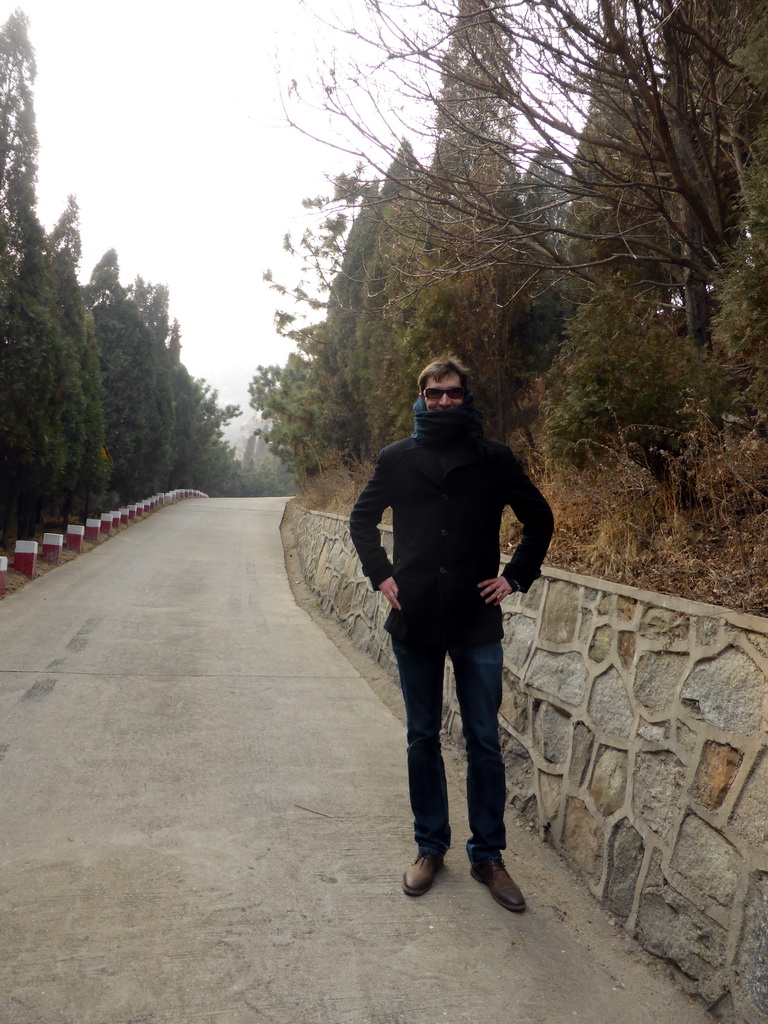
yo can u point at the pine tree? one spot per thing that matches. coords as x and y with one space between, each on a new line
128 357
32 446
85 471
152 301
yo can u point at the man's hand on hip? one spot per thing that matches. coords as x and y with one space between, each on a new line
389 589
494 591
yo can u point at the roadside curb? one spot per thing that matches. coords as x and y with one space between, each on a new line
56 549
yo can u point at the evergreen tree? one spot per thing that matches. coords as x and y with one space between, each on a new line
741 326
152 301
32 446
204 459
86 470
200 455
133 387
279 394
624 384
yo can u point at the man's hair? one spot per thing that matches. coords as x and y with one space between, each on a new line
441 368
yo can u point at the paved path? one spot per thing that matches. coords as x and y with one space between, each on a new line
203 817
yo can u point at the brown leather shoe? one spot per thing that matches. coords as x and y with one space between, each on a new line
503 888
418 878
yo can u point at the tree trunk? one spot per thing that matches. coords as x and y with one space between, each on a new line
26 515
696 296
66 508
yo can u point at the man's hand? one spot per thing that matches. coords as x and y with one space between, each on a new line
494 591
389 589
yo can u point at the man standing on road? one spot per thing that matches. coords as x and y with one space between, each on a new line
447 486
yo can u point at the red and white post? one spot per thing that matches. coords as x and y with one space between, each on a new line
93 530
53 545
25 558
75 537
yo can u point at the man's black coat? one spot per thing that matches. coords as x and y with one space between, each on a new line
447 505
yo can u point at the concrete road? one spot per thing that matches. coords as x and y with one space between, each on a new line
204 817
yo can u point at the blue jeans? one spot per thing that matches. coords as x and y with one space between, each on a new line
478 689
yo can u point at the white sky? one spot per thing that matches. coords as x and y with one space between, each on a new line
162 117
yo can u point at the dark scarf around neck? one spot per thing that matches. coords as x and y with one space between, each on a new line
448 426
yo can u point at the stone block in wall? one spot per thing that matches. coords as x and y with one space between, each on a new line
664 625
360 606
586 627
658 678
752 977
718 766
728 691
338 585
321 566
609 705
532 600
750 817
519 635
360 633
686 737
346 600
562 675
514 702
760 642
627 646
658 790
582 741
626 607
707 631
581 838
609 780
706 860
519 769
551 790
561 613
622 606
625 859
656 732
671 927
551 733
602 643
351 569
337 557
366 601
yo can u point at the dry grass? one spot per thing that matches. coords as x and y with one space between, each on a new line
334 489
642 540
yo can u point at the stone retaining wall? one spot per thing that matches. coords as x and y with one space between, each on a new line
635 732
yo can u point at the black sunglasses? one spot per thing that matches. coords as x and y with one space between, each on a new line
453 393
